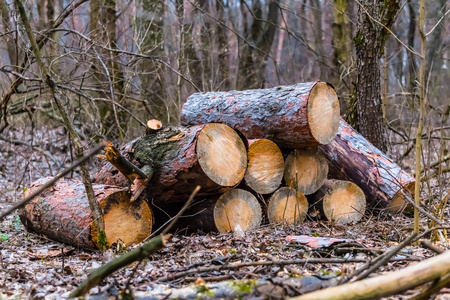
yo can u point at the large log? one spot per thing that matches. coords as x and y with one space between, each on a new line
306 170
265 166
305 114
351 157
287 205
62 213
213 156
339 201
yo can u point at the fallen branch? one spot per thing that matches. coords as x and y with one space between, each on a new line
388 284
265 263
420 209
55 179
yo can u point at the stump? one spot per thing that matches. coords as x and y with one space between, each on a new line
265 166
339 201
287 205
351 157
305 114
213 156
237 209
62 213
305 170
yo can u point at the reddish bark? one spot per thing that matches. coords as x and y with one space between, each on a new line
351 157
283 114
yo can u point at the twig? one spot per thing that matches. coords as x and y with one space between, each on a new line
428 244
433 289
51 182
420 209
265 263
136 255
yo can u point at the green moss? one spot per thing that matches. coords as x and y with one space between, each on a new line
102 242
204 292
359 40
244 286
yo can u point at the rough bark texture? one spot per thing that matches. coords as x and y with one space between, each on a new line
62 213
287 206
265 166
305 170
171 154
369 41
339 201
305 114
351 157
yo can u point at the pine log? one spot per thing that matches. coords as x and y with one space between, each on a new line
237 209
305 114
306 170
62 213
351 157
339 201
287 206
213 156
388 284
265 166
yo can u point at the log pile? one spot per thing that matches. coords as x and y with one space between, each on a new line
259 155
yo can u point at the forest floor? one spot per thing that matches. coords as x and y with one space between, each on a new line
38 268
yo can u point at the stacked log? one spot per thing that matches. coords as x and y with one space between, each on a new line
240 139
62 213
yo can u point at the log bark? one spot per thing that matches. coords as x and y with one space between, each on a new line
305 170
339 201
305 114
351 157
213 156
237 209
265 166
62 213
389 284
287 206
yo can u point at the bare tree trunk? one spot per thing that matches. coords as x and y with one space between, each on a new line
11 46
369 42
412 66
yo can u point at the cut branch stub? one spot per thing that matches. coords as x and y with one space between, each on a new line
237 210
305 114
340 201
265 166
305 170
153 126
222 154
62 213
287 205
352 157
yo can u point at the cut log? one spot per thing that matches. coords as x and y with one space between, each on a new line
351 157
62 213
213 156
339 201
305 114
305 170
237 209
287 206
265 166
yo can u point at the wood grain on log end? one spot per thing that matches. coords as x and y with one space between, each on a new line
222 154
323 113
398 203
62 213
237 208
153 125
287 205
306 170
265 166
343 202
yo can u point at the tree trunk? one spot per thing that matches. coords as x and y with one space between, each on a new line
341 202
265 166
306 170
369 41
305 114
287 205
62 213
351 157
212 156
